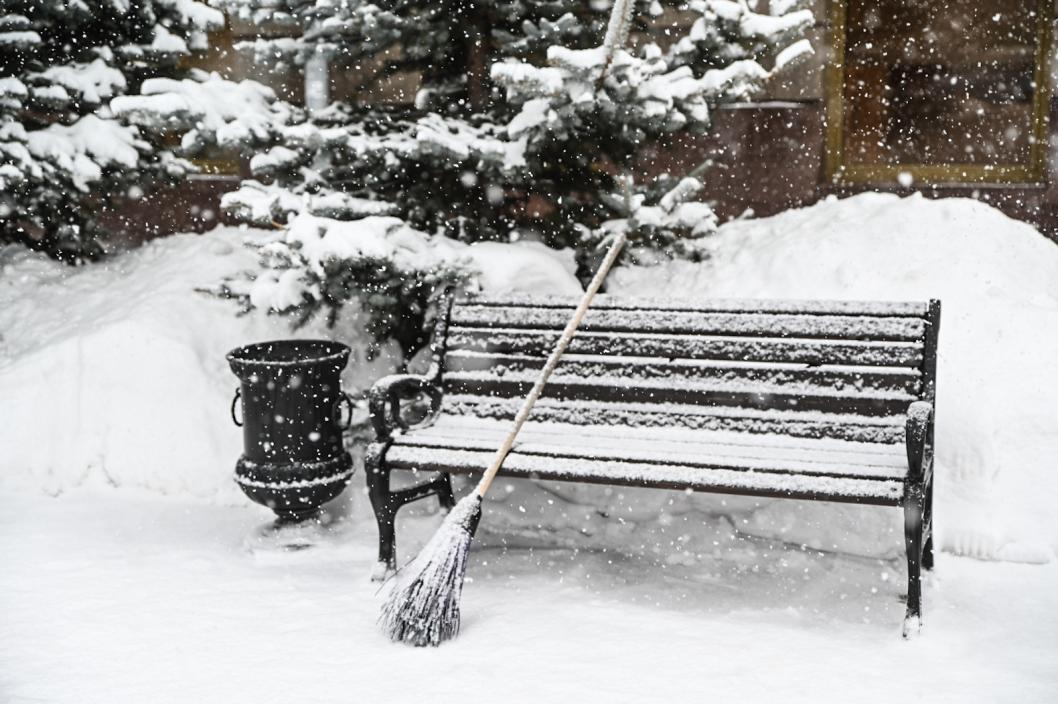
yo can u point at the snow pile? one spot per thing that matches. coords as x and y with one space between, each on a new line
997 432
523 266
117 371
115 374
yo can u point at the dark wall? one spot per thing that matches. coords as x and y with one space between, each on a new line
769 157
192 206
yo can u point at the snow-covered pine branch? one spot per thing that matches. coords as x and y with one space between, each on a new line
65 155
608 95
728 30
391 271
208 110
661 220
652 92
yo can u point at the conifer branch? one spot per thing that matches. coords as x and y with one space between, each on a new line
617 30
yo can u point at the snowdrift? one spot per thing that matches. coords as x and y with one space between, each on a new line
997 416
115 374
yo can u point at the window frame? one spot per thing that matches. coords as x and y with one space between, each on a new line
840 173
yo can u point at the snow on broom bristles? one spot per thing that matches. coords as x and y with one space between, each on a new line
423 606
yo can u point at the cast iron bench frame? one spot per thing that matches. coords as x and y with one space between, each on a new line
389 422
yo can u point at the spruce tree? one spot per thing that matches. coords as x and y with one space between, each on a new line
526 122
67 155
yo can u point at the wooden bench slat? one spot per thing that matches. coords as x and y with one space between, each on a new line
669 346
447 423
717 305
560 453
692 449
672 476
845 327
752 376
797 424
709 392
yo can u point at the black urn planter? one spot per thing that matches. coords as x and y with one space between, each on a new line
293 458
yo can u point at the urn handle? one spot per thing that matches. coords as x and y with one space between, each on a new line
234 401
344 400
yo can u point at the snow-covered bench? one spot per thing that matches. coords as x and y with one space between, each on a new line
822 400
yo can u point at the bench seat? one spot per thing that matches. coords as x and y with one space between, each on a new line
675 458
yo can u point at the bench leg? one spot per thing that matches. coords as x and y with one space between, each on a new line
927 526
444 491
386 502
385 512
913 544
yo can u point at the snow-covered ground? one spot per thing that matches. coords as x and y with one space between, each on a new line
116 597
130 572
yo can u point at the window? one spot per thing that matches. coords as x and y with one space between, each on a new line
940 91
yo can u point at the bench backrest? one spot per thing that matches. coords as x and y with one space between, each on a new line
841 369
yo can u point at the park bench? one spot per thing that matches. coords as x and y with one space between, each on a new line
819 400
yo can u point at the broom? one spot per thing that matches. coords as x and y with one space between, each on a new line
423 607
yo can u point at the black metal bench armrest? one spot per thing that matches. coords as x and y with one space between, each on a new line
919 438
385 399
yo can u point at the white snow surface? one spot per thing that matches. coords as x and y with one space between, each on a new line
524 266
115 374
122 597
134 571
125 360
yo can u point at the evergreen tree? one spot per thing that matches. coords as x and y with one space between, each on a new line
526 122
65 154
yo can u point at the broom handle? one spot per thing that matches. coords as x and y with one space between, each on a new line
552 362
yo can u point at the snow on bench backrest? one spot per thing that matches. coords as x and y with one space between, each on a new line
844 369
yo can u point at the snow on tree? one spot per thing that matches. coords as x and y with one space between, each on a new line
611 101
73 138
391 269
526 122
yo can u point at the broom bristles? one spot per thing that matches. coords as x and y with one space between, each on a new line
423 606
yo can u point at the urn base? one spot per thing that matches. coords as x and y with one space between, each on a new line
294 490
